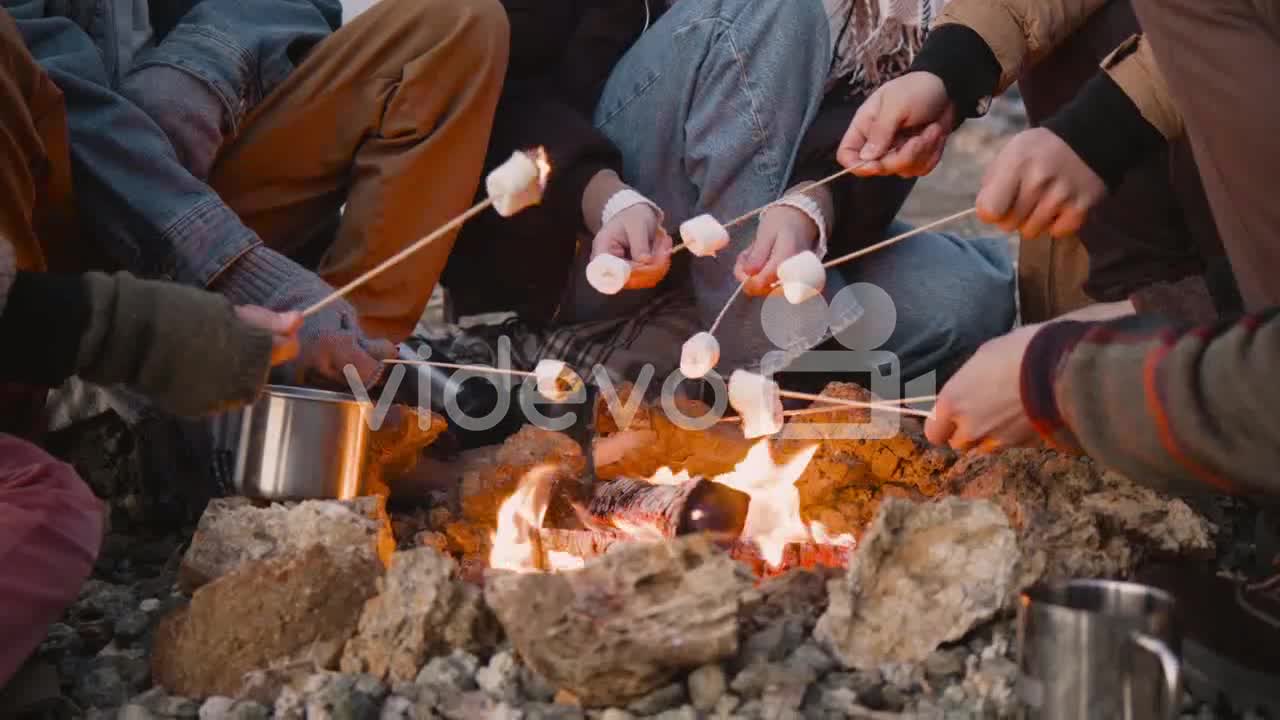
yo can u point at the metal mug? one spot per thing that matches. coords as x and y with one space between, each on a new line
1097 650
299 444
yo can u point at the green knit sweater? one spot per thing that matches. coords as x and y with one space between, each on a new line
182 347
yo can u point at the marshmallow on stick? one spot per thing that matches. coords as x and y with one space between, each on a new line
758 400
518 183
608 274
556 381
802 277
699 355
704 235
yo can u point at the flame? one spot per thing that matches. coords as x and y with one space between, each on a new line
665 476
539 157
514 545
820 535
773 518
638 531
558 561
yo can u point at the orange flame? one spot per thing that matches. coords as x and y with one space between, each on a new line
519 520
773 518
540 158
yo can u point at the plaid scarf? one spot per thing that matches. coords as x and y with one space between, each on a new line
874 41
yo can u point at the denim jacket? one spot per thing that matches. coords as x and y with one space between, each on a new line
149 212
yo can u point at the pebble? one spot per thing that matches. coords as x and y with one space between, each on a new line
727 704
684 713
944 664
110 680
551 711
661 699
135 712
894 700
397 708
100 599
707 685
225 708
774 642
132 626
62 638
536 687
616 714
456 670
811 655
753 680
149 605
501 677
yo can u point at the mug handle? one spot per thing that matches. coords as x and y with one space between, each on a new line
1170 667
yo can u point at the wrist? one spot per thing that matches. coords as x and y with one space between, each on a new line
958 56
1041 364
811 209
602 186
1105 129
626 199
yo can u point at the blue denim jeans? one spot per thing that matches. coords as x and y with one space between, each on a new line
708 109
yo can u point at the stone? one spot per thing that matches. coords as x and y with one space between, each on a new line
629 621
774 642
811 655
551 711
296 608
491 475
61 639
924 574
216 707
132 626
707 685
761 678
536 687
149 605
110 681
101 600
945 663
686 712
454 671
163 705
234 531
658 700
333 696
726 705
397 708
616 714
501 677
135 712
422 609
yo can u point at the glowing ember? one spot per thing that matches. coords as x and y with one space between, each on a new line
639 531
773 518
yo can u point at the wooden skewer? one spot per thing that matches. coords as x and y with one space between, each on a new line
851 403
897 238
389 262
477 368
747 216
825 409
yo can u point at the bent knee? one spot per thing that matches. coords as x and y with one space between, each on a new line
36 484
478 26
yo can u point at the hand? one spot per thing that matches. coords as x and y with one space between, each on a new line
1037 183
982 404
331 340
635 235
901 129
784 232
282 326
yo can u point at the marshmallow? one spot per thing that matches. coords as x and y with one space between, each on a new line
704 235
608 273
758 400
699 355
556 380
514 185
802 277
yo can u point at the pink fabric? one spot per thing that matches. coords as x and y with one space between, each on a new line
50 532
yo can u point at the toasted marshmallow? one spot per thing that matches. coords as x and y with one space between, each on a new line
514 185
802 277
556 380
608 273
758 400
703 235
699 355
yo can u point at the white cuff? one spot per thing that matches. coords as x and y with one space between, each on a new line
624 199
810 207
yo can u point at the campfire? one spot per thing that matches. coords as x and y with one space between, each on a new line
754 510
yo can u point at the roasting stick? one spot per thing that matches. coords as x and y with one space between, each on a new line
827 409
852 403
897 238
455 366
391 261
747 216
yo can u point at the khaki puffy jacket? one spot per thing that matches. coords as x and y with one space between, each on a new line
1022 32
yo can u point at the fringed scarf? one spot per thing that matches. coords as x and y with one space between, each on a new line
874 41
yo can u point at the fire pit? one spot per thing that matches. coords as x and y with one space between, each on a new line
705 576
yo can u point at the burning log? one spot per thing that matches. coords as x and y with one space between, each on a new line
670 510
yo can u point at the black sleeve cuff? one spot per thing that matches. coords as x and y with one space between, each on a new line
565 189
42 324
967 65
1105 128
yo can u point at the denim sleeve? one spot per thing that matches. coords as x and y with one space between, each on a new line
151 214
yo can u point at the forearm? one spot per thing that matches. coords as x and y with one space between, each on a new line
152 215
1182 411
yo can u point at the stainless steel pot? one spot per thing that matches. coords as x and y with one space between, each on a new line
299 444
